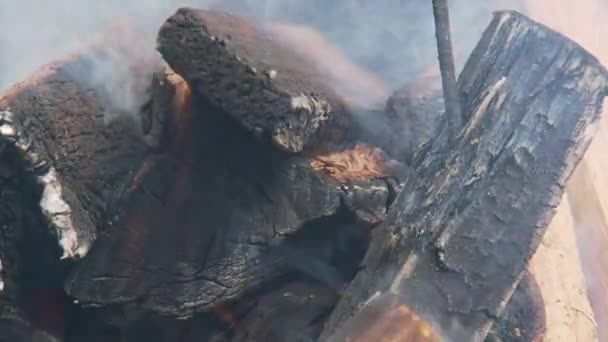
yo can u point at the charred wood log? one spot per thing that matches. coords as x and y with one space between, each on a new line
273 92
463 229
384 316
524 318
207 222
68 148
446 64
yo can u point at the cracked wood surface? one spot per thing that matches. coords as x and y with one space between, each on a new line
277 94
204 221
480 208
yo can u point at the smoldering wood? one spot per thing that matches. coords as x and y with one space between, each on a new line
169 178
272 91
524 318
459 236
58 123
63 166
413 113
207 223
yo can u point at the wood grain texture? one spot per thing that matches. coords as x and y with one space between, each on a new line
479 209
207 222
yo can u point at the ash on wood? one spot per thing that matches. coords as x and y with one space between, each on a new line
272 91
59 126
63 165
24 246
459 236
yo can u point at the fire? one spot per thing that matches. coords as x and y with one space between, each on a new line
363 162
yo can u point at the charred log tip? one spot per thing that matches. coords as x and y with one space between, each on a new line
52 200
275 93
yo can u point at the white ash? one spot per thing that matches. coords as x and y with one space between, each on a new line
52 202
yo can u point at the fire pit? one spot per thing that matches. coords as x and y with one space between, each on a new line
245 199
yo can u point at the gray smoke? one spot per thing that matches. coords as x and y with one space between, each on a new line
392 38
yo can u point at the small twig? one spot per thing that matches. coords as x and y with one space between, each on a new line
451 97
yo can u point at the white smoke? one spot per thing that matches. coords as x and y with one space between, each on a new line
392 38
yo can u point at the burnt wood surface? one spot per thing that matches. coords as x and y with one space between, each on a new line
273 92
31 274
524 318
66 155
58 123
13 225
456 242
216 214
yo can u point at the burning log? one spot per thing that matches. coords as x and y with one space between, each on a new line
204 225
459 236
68 148
57 123
194 214
272 91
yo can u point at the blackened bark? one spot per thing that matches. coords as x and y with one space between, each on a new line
58 124
459 236
273 92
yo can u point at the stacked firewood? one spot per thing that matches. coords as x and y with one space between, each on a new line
247 200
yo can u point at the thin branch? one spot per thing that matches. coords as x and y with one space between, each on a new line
451 97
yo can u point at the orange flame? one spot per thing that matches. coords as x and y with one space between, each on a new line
363 162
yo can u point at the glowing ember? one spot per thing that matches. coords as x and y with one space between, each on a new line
363 162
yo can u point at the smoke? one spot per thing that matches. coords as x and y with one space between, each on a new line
393 39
